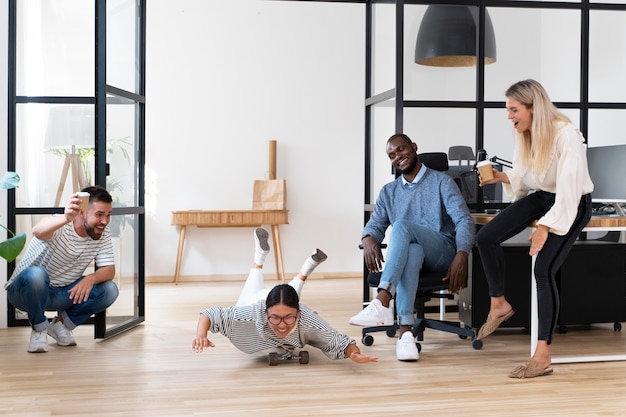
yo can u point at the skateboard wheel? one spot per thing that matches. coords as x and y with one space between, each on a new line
273 358
304 357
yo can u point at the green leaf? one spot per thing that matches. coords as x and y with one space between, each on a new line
11 248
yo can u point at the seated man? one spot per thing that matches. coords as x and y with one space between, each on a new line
431 228
50 275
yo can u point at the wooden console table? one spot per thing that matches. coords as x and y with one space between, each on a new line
230 218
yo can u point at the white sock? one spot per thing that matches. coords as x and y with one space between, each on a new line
312 262
261 247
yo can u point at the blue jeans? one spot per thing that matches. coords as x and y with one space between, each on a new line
510 222
411 249
31 292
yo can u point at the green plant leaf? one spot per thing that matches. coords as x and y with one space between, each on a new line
11 248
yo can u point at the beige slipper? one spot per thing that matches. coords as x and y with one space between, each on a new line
491 325
530 370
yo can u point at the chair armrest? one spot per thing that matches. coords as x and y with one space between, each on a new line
382 245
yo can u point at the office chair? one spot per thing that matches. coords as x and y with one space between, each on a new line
466 175
461 153
430 286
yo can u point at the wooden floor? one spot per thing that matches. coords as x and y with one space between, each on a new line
152 371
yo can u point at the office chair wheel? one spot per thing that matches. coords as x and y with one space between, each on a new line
391 332
419 347
562 329
477 344
462 336
367 340
304 357
617 327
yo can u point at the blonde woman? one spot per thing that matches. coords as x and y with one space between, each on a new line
549 183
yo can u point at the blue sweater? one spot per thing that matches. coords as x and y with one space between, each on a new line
434 202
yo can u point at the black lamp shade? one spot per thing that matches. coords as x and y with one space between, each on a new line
447 37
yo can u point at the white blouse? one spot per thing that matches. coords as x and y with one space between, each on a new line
567 176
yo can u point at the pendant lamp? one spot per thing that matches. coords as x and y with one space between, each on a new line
447 37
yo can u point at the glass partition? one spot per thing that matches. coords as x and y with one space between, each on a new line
54 152
122 66
423 82
64 139
55 48
542 44
607 66
383 57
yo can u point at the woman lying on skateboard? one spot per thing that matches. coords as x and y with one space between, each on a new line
262 320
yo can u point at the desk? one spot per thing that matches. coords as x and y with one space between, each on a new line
596 223
230 218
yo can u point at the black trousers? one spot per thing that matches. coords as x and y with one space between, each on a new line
510 222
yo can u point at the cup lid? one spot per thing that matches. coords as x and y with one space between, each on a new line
483 163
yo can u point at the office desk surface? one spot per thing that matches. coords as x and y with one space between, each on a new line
596 222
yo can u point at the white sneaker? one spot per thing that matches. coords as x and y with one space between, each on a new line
261 247
38 342
375 314
406 349
61 334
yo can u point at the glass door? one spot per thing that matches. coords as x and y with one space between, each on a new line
120 97
77 118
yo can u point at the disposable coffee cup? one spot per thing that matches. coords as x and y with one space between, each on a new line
84 200
485 170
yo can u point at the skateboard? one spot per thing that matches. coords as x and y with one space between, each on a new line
287 355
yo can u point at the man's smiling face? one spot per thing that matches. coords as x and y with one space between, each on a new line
402 154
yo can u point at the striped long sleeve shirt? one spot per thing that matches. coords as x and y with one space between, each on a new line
66 255
248 330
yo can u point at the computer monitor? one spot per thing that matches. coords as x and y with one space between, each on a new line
607 168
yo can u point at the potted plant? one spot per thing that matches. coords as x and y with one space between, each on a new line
11 248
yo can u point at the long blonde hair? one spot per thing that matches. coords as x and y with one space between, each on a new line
536 145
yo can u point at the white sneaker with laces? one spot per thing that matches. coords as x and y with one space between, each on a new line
375 314
406 349
38 342
61 334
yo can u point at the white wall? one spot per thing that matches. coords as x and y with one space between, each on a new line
225 77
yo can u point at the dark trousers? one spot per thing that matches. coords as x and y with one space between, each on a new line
510 222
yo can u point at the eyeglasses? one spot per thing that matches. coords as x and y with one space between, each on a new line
288 320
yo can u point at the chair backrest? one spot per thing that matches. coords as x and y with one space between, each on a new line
435 160
461 153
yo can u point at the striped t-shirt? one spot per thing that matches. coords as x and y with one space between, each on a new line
66 255
248 330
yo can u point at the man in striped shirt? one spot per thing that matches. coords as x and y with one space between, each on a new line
50 275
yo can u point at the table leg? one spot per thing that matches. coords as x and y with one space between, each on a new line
534 308
278 253
179 256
